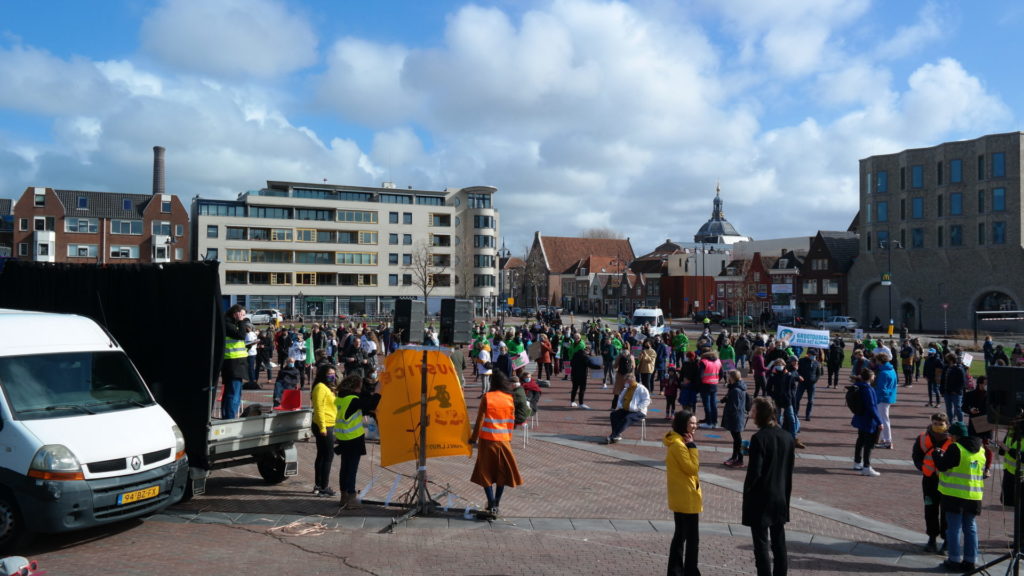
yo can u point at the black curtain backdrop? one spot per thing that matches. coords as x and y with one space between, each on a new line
167 318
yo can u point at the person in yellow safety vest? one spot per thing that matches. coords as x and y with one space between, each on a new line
350 438
962 484
235 366
936 436
496 465
1010 449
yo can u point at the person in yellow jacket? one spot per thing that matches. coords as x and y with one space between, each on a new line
685 499
324 415
496 465
962 485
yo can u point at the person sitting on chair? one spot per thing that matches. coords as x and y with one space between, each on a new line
631 408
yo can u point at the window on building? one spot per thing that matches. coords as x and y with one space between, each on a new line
165 206
999 165
868 247
917 176
477 201
367 237
956 171
82 250
903 237
810 286
917 237
305 278
903 178
212 230
211 255
981 201
903 209
956 235
83 203
43 249
981 233
392 279
406 259
305 235
393 259
938 173
119 252
440 220
406 279
179 230
816 264
407 239
483 280
883 239
939 211
871 182
829 286
179 254
393 239
39 200
82 225
161 227
406 217
882 212
882 182
998 199
235 233
357 216
23 224
128 227
392 217
981 166
483 221
243 255
917 208
999 232
483 241
956 204
22 249
236 277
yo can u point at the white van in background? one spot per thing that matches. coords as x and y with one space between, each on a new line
82 441
653 318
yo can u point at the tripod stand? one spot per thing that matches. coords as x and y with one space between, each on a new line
1014 555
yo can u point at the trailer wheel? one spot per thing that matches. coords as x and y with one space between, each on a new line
13 534
271 466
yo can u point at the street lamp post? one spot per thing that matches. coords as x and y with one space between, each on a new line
887 280
503 255
298 304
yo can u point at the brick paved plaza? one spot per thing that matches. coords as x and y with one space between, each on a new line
586 508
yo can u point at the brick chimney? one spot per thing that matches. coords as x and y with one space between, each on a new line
158 170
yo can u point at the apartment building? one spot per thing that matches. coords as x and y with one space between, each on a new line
79 226
940 232
323 250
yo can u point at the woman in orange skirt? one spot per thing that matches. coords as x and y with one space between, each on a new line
496 466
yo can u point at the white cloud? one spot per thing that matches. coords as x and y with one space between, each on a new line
363 83
36 82
910 39
230 38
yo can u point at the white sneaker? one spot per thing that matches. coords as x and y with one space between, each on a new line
869 471
573 404
858 466
584 406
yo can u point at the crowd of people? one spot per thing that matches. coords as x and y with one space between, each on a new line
511 364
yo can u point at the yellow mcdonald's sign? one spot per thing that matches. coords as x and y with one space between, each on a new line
398 414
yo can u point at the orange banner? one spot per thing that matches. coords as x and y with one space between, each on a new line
398 414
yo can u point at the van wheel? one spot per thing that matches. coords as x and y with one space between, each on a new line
271 466
13 534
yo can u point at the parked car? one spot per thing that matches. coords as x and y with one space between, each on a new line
737 320
516 311
529 312
838 323
266 316
713 315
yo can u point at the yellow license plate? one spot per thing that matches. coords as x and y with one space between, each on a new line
144 494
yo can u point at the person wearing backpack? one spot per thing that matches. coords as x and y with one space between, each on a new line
908 356
834 361
868 423
935 437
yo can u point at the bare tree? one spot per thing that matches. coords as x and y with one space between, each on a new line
601 232
428 270
535 277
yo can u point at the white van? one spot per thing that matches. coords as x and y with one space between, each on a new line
82 441
653 318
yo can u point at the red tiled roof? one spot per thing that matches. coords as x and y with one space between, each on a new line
514 262
563 253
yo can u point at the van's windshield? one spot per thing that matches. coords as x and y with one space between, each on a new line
640 320
71 384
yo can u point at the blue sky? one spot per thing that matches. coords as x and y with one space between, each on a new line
584 114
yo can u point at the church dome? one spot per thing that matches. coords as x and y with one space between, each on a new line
717 230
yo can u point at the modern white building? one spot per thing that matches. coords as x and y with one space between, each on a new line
323 250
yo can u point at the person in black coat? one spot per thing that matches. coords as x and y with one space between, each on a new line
767 489
579 366
734 416
287 379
